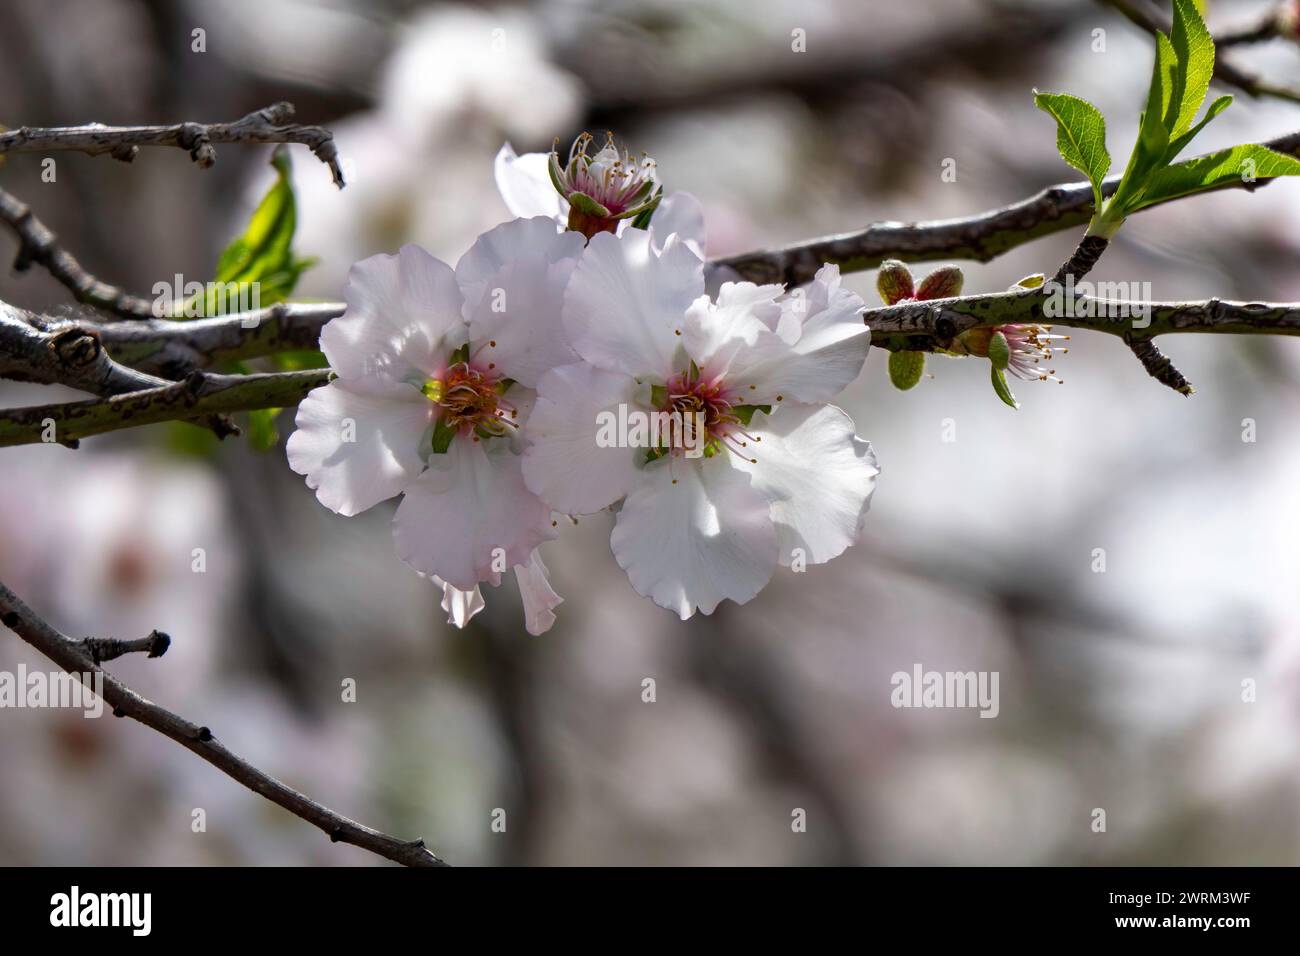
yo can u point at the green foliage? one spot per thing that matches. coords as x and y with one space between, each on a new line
263 254
262 257
1080 136
1180 81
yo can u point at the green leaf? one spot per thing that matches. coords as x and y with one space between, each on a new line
1179 144
263 254
1000 386
262 433
1194 48
1217 170
1080 136
1152 143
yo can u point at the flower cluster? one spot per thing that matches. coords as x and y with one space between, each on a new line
474 393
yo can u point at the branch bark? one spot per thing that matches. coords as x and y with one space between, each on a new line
74 357
982 237
73 658
38 244
269 125
929 325
199 395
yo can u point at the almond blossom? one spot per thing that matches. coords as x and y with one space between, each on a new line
783 479
607 192
435 376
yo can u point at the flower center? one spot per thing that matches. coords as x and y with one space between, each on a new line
706 405
605 188
470 400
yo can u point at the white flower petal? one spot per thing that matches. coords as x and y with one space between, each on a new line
517 326
461 606
625 302
716 334
828 344
563 464
692 543
818 475
468 503
526 186
539 598
403 313
680 213
509 241
358 445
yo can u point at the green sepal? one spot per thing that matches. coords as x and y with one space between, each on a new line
585 204
999 379
646 212
746 412
906 369
443 433
659 396
999 351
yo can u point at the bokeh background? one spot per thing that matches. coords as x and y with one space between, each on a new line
1120 690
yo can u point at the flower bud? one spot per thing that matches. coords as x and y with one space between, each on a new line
906 368
604 189
894 282
943 283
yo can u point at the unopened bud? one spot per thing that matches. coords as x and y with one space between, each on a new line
943 283
894 282
906 368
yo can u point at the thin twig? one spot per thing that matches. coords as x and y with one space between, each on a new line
982 237
269 125
75 357
174 349
73 658
932 325
200 394
101 649
38 244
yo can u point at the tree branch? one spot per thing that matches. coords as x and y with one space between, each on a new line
932 325
174 349
981 237
199 395
73 658
37 244
100 649
269 125
926 325
74 357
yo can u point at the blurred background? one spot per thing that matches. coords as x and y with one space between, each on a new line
1120 689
